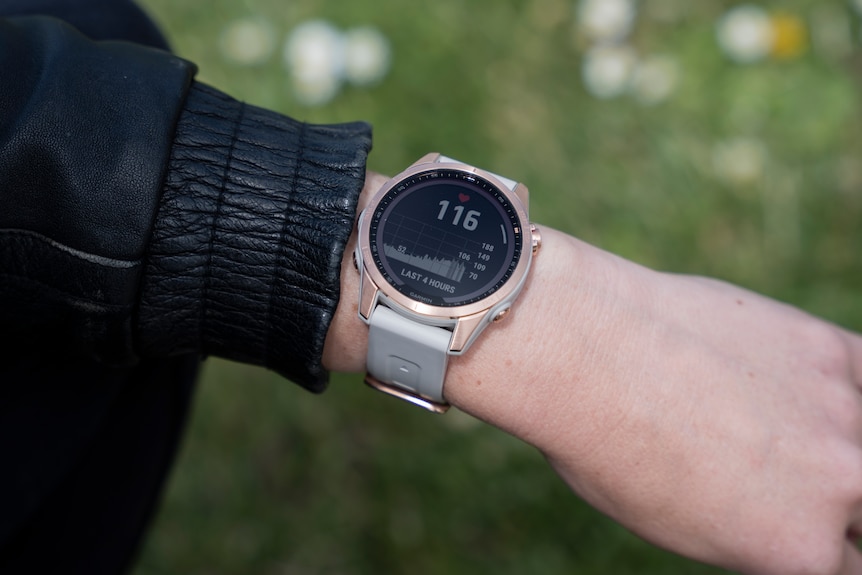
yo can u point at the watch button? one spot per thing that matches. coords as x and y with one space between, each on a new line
537 237
501 314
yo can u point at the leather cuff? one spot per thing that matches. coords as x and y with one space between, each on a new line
245 258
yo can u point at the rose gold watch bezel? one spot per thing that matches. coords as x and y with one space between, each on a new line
373 280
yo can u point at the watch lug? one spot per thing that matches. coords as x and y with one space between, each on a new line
523 194
427 159
367 295
465 331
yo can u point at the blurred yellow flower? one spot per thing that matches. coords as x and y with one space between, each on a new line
747 33
789 36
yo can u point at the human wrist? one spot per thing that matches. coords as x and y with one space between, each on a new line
555 354
499 379
347 340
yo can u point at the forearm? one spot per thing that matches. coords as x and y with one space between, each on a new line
708 419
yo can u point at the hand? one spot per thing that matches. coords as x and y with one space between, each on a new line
707 419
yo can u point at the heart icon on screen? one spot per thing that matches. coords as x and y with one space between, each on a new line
463 197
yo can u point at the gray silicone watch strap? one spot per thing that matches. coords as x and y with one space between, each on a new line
408 354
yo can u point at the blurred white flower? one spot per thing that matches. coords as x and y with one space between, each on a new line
248 41
606 20
316 90
314 56
745 33
607 70
739 161
320 58
367 56
655 79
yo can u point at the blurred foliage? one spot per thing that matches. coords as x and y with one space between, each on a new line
272 480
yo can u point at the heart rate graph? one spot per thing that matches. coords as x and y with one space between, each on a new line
428 248
442 267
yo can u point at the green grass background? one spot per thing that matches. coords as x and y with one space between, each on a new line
273 480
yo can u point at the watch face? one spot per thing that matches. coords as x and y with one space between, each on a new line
445 238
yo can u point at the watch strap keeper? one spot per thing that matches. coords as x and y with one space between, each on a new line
408 355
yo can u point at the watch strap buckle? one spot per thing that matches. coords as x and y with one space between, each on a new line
406 395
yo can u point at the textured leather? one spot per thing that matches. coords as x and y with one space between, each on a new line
246 252
85 134
144 215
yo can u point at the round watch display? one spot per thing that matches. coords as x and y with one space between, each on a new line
445 237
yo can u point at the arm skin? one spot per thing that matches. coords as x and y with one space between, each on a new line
707 419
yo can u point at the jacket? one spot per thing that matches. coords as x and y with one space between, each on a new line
146 221
143 214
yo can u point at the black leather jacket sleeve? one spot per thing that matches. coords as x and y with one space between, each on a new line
246 254
145 215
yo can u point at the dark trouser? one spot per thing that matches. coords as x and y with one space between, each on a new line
84 449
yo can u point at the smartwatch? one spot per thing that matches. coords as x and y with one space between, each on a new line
443 250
